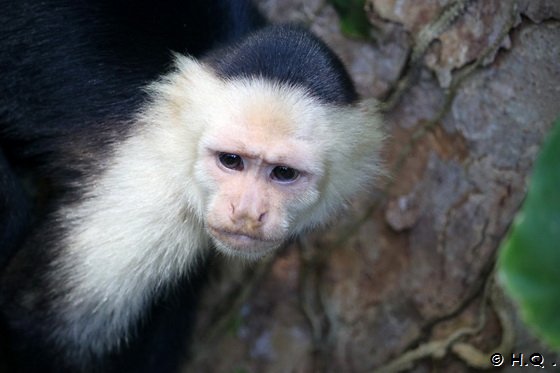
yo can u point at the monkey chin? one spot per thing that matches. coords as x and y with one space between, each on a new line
241 245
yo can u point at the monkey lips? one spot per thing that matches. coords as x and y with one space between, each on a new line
241 244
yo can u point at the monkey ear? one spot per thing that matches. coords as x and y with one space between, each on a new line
188 89
193 70
190 80
355 140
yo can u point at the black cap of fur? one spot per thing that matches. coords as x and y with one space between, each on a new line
287 54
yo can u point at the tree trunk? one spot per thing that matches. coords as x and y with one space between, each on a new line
404 280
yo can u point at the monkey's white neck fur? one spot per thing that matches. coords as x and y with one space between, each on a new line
133 232
136 229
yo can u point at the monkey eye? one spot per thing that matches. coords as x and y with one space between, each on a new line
284 174
231 161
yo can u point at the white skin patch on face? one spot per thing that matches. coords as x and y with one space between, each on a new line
259 164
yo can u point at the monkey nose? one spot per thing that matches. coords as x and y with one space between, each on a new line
254 224
256 221
249 221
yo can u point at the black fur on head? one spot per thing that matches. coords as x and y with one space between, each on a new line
291 55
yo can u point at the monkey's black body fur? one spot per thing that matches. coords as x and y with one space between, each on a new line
72 74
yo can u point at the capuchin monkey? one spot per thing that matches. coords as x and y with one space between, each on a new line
138 136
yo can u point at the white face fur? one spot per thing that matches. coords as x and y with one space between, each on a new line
269 160
258 171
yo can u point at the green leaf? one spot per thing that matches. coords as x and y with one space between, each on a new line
529 261
353 18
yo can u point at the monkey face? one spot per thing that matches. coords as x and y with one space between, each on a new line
254 198
257 164
266 160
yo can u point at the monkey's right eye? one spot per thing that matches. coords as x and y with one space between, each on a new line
231 161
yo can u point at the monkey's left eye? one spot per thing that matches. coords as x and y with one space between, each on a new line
284 174
231 161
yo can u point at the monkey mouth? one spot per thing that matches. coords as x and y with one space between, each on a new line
240 235
241 244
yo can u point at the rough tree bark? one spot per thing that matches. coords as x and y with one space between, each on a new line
404 280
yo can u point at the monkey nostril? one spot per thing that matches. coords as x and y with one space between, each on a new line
241 216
